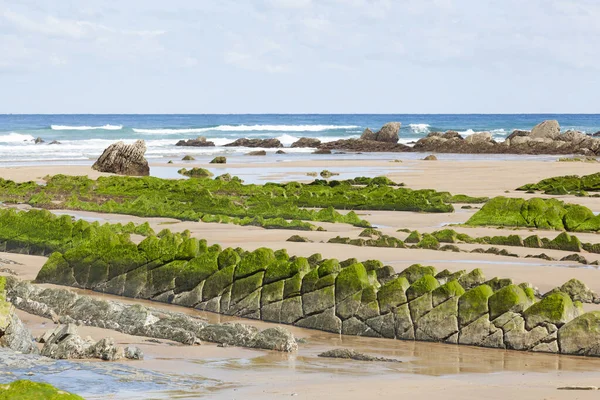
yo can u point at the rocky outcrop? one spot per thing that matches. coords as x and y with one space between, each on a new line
219 160
263 143
546 130
388 133
64 343
348 297
69 308
200 141
124 159
361 145
257 153
13 334
306 142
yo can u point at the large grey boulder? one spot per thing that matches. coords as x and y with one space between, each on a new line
549 129
388 133
124 159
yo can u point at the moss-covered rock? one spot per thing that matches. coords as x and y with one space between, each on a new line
445 292
557 309
473 304
258 260
28 390
422 286
578 291
472 279
413 237
428 242
581 336
392 294
510 298
416 272
564 242
350 280
533 242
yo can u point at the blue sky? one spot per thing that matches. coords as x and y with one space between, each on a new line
299 56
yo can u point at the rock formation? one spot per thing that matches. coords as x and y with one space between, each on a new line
348 297
200 141
306 142
13 334
69 308
546 130
263 143
388 133
64 342
124 159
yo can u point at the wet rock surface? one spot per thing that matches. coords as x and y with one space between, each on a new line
69 308
124 159
354 355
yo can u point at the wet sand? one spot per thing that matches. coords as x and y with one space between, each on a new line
428 370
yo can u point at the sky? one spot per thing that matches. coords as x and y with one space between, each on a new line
299 56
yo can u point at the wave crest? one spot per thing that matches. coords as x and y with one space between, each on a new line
419 128
85 128
14 137
245 128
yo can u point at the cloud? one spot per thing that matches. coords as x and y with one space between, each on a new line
74 29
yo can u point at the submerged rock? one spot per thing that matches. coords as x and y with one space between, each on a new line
350 354
124 159
257 153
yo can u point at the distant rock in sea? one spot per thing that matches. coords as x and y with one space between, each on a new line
200 141
263 143
124 159
388 133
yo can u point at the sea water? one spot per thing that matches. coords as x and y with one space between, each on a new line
83 137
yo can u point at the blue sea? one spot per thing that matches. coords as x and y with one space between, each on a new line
83 137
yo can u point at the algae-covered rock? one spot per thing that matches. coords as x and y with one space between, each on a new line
510 298
578 291
481 331
413 237
428 242
440 323
403 323
557 309
445 292
319 300
422 286
392 294
416 272
355 327
581 336
472 279
518 337
564 242
28 390
473 304
325 321
276 338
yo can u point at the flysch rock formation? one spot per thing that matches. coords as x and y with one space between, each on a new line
67 307
13 334
124 159
348 297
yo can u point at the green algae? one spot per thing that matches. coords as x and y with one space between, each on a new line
28 390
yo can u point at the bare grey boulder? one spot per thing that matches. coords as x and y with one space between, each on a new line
275 338
124 159
549 129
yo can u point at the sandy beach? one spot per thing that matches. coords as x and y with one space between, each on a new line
456 372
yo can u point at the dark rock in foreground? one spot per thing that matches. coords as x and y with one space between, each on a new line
350 354
200 141
124 159
264 143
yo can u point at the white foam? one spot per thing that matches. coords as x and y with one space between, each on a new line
468 132
14 137
85 127
287 140
245 128
419 128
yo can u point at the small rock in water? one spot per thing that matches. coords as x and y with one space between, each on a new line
430 157
38 140
350 354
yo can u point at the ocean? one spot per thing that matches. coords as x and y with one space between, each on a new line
83 137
